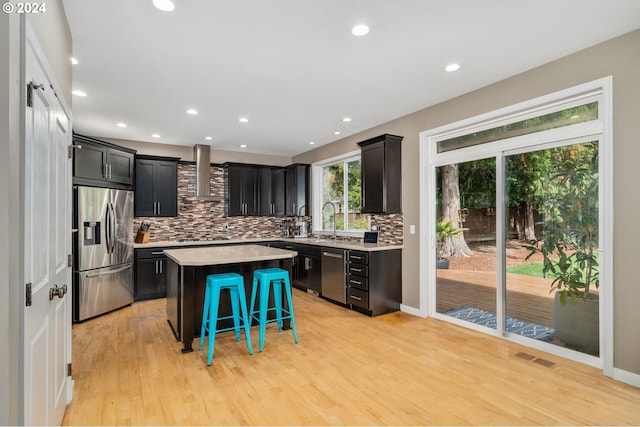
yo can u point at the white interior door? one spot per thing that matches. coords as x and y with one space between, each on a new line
47 243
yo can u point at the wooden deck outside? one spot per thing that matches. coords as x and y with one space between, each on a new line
528 297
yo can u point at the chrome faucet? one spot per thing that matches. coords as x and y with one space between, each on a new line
334 216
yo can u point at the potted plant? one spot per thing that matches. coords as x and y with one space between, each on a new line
570 246
444 232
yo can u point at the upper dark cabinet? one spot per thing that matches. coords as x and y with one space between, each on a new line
297 190
272 189
241 189
381 174
99 163
156 192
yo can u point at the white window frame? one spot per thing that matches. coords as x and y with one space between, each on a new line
602 128
316 180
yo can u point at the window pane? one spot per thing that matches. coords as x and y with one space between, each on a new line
332 191
355 220
569 116
341 187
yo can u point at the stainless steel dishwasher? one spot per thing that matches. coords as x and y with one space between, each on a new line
333 275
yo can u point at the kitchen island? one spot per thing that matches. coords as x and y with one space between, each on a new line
188 268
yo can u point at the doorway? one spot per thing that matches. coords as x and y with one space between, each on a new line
516 205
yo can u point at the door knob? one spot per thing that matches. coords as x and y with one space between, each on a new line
57 291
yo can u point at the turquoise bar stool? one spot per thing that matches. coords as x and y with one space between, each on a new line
215 284
265 279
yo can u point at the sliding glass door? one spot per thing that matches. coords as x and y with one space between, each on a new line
466 241
551 293
517 243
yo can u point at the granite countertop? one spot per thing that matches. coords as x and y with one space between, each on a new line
231 254
325 242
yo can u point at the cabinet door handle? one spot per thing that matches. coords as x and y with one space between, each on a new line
359 270
157 253
110 175
355 297
156 264
160 263
159 209
105 170
355 281
356 257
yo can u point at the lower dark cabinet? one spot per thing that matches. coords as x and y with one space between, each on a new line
151 276
308 274
374 281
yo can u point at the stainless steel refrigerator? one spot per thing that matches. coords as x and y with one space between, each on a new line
104 250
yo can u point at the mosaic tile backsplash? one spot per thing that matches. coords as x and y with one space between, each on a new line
206 219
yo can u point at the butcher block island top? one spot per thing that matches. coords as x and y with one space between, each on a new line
232 254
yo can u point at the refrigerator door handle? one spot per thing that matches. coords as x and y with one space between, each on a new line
107 231
106 273
114 227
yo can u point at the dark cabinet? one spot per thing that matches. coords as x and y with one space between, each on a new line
151 277
99 163
156 191
241 189
297 190
381 174
308 273
271 191
374 281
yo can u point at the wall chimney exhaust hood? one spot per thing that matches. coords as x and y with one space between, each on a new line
202 155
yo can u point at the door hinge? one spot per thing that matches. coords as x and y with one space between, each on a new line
69 261
27 298
30 87
69 369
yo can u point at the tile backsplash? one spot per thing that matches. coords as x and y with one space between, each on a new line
206 219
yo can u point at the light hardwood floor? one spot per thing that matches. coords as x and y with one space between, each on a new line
347 369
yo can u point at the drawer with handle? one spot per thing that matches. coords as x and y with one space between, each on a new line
358 270
150 253
358 298
356 257
358 282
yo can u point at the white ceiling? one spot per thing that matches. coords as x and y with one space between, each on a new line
294 68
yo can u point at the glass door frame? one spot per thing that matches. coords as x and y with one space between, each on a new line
600 130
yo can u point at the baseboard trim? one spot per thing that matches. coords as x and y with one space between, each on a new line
626 377
410 310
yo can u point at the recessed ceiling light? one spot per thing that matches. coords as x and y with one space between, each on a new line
312 143
346 119
360 30
164 5
208 138
192 111
155 135
243 120
121 125
337 132
74 61
79 93
243 145
452 67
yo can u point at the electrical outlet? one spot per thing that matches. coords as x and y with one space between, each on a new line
225 226
374 228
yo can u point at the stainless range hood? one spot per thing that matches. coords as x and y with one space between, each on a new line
202 156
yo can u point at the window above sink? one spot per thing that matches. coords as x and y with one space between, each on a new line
337 183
